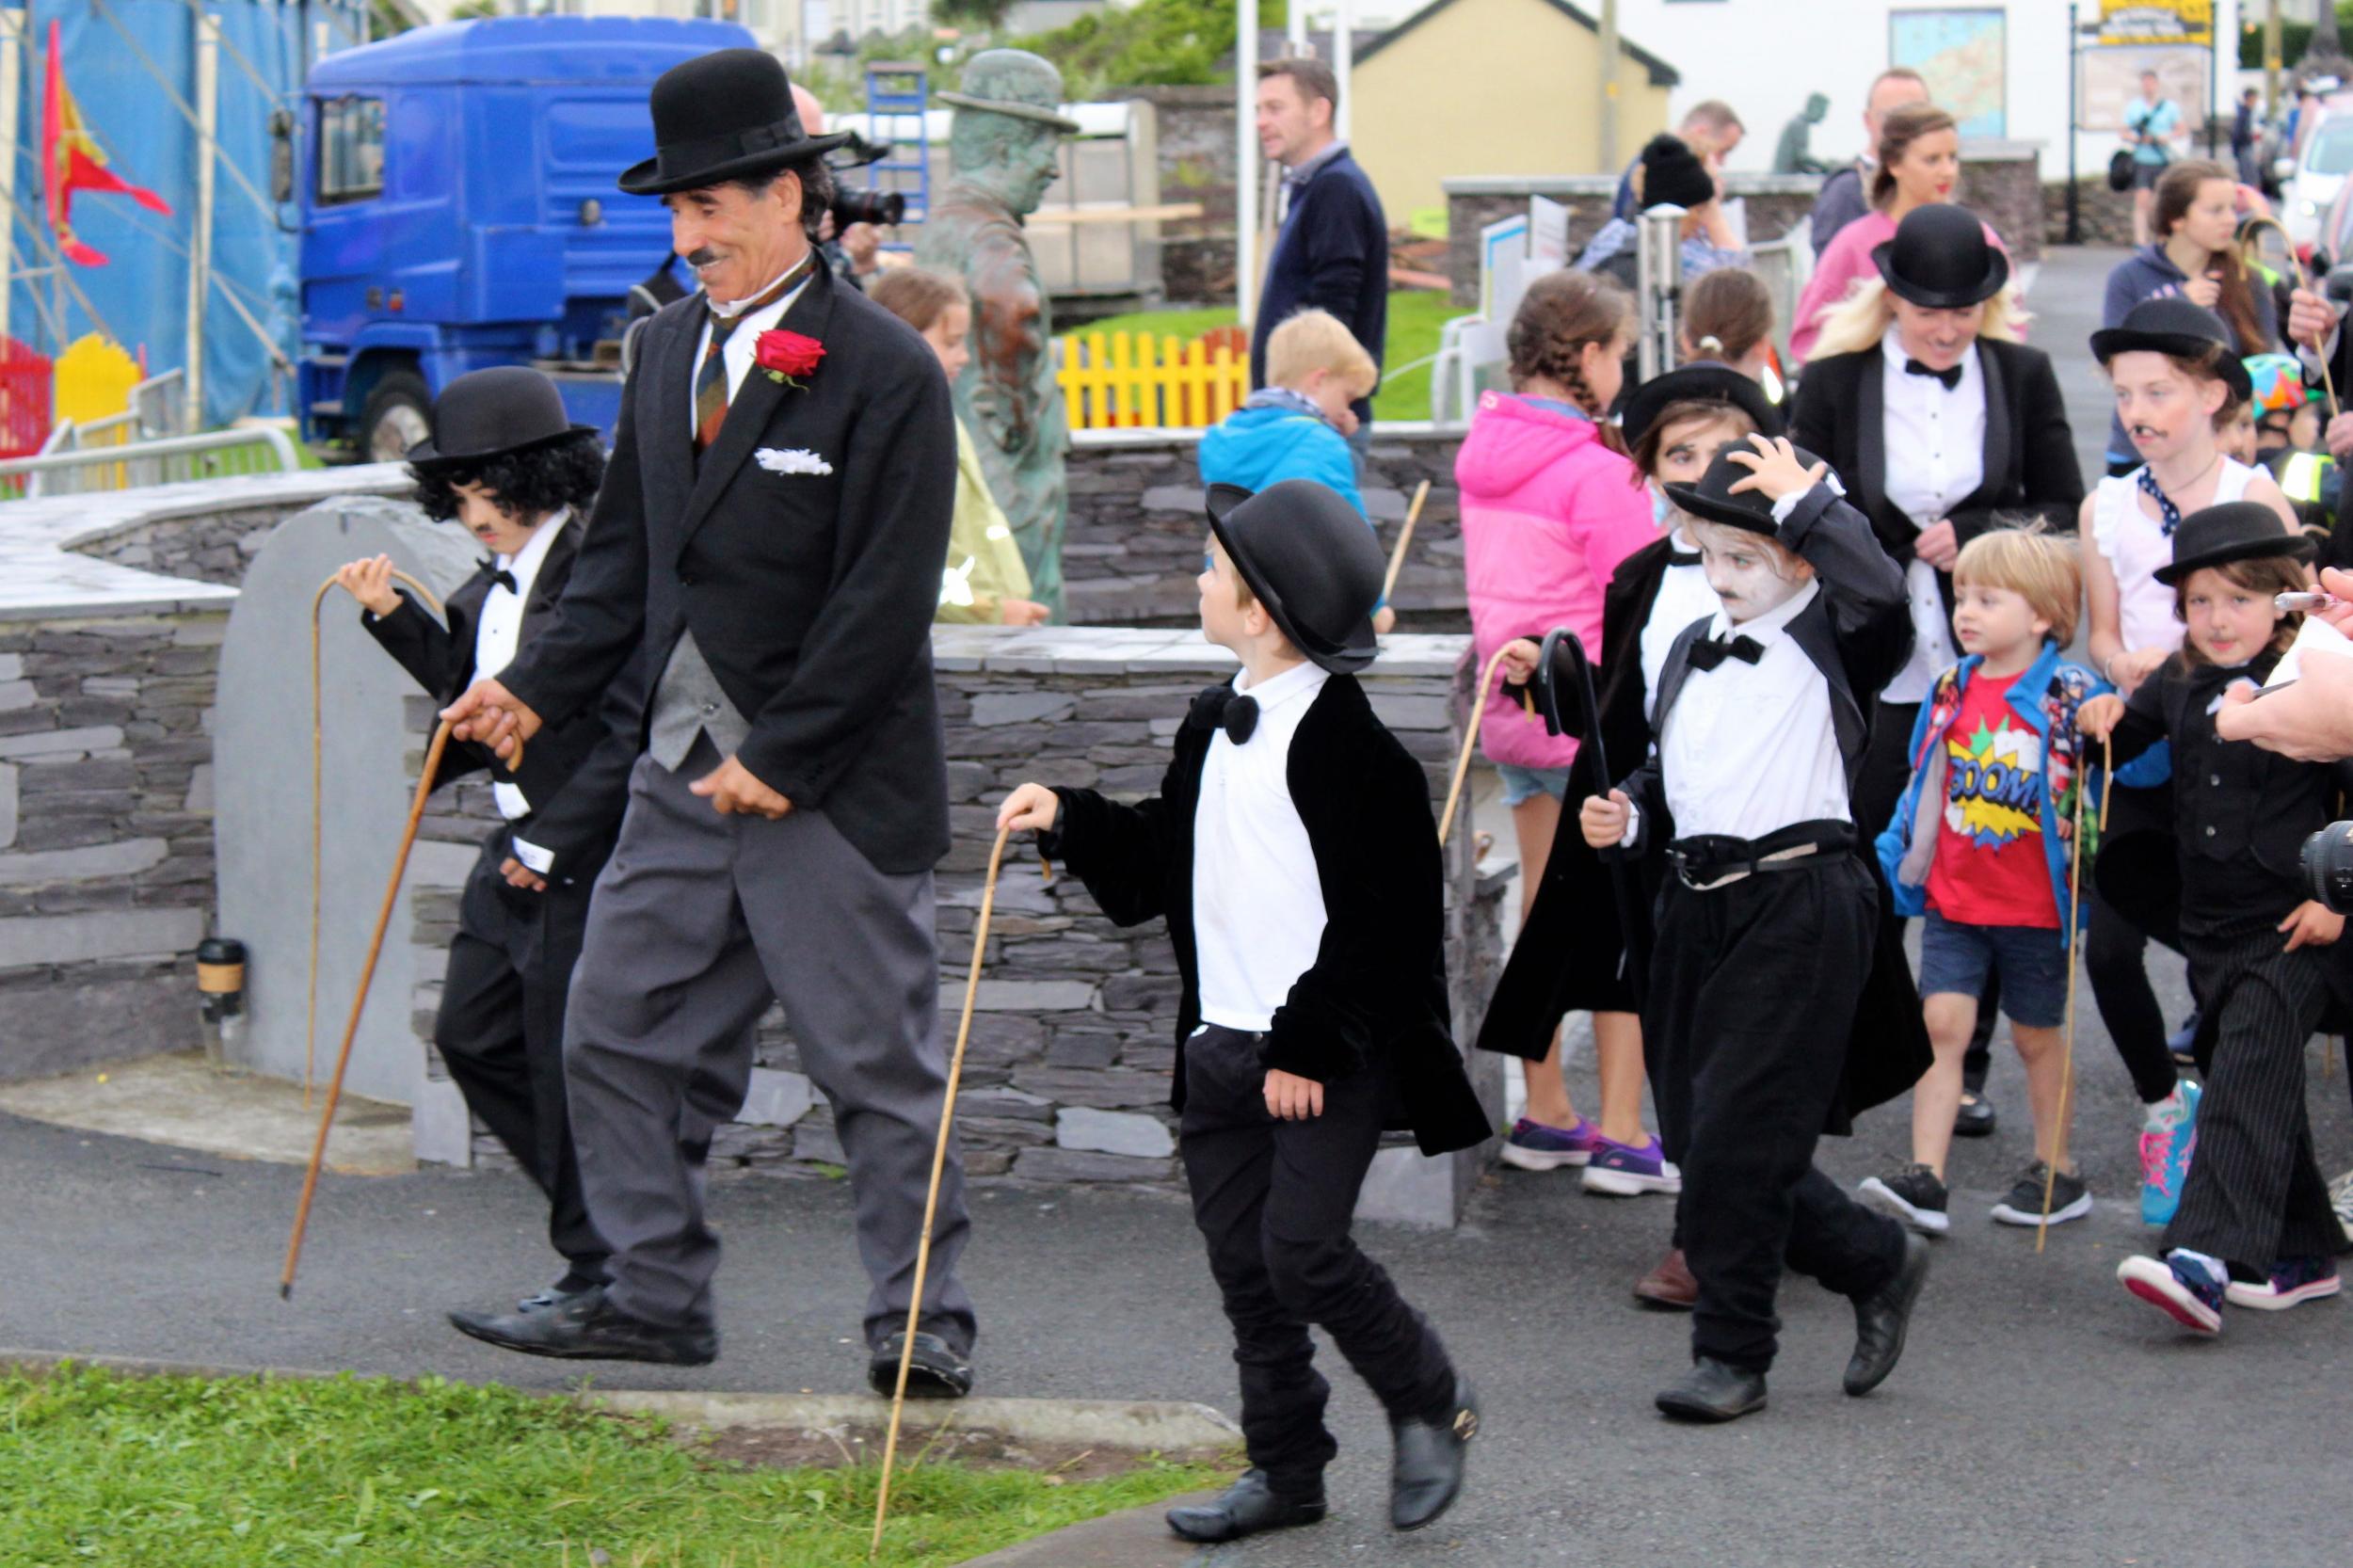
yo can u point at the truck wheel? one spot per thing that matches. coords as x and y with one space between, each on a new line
397 415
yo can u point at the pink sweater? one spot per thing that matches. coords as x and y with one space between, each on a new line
1548 512
1846 262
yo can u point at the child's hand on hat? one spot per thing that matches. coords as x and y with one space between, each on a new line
370 582
1030 806
1775 470
1519 657
1604 820
2097 717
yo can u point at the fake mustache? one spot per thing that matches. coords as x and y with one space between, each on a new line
702 255
2143 432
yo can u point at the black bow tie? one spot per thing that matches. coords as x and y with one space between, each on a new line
1708 652
1682 557
1240 719
499 578
1221 708
1951 376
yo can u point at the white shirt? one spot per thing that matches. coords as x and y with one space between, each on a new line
1935 445
1258 904
736 353
499 632
1683 597
1750 749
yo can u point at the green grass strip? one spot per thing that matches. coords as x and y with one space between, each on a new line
240 1472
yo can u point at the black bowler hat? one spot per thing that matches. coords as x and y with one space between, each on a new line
1674 175
487 413
2172 325
1310 560
2235 531
1701 382
1712 500
727 114
1939 260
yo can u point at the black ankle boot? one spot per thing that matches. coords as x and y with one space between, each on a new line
1714 1391
1427 1473
1245 1507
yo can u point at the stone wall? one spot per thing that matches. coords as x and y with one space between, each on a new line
1137 528
106 835
1195 131
2105 215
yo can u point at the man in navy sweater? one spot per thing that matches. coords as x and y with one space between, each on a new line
1332 252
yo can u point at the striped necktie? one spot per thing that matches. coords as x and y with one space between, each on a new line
710 376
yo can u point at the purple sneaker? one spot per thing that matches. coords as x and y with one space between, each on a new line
1629 1170
2294 1281
2181 1288
1534 1146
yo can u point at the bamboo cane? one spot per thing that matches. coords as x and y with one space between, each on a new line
1470 741
2303 282
2067 1050
1405 537
931 1199
359 1003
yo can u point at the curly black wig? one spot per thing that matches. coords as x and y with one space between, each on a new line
533 482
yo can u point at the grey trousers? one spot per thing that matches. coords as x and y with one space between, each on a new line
696 921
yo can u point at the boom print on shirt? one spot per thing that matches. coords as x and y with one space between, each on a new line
1994 783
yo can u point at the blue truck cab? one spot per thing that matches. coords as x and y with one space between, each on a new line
459 210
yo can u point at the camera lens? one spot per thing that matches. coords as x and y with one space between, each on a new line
868 206
2328 867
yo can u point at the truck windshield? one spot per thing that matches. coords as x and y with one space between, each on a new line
351 148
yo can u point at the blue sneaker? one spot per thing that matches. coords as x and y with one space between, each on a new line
2294 1281
2165 1145
2180 1285
1534 1146
1629 1170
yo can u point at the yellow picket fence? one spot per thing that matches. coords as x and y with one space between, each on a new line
1137 378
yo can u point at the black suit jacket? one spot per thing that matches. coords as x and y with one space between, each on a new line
811 594
2029 454
575 774
1377 991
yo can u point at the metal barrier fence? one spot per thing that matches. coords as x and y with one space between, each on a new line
133 464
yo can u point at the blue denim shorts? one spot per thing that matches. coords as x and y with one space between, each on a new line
1521 784
2030 962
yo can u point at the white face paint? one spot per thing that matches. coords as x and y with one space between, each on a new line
1746 571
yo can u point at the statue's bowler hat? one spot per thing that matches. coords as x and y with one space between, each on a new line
727 114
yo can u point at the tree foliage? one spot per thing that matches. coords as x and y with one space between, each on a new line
1152 43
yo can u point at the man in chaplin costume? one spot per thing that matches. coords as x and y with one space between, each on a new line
769 540
1007 147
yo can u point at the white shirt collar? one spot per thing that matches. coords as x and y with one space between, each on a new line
1770 627
525 563
733 309
1303 679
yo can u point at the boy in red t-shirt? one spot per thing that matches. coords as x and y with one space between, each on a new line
1978 845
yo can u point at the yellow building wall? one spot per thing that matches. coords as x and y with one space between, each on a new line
1491 86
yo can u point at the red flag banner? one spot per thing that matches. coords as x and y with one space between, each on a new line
74 162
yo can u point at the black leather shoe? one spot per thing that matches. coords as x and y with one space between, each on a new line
1426 1476
1714 1391
1245 1507
1976 1118
583 1327
936 1371
1881 1319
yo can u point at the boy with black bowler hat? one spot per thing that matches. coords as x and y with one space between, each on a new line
1760 723
1292 851
507 465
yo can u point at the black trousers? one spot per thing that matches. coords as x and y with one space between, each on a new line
1274 1200
1753 995
500 1035
2255 1194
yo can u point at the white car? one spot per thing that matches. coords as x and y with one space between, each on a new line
2317 173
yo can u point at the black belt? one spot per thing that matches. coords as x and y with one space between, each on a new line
1709 860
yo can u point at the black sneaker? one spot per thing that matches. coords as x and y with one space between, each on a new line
2070 1198
1914 1196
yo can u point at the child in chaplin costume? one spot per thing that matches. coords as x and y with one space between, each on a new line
1761 728
507 465
1293 852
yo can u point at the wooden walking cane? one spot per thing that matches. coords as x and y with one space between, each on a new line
2074 905
1405 537
1470 740
2304 282
311 1016
351 1029
931 1199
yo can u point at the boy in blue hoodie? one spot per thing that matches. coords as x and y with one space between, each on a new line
1979 846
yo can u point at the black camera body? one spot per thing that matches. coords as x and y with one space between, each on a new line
867 206
2328 867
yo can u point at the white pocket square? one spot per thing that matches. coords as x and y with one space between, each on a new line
799 460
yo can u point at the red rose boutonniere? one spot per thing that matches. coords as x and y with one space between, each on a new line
786 356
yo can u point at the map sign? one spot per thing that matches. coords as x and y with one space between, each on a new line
1963 55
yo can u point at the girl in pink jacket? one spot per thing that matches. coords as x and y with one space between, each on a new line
1550 506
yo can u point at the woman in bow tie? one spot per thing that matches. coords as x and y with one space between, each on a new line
1939 421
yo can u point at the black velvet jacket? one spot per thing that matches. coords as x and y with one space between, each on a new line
1377 993
575 774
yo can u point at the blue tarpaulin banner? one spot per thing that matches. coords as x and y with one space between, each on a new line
131 65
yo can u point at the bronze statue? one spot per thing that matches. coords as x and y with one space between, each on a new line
1794 154
1004 148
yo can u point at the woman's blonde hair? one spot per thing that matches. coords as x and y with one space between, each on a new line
2040 566
1864 318
1317 340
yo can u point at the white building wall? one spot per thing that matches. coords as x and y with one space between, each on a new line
1764 56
